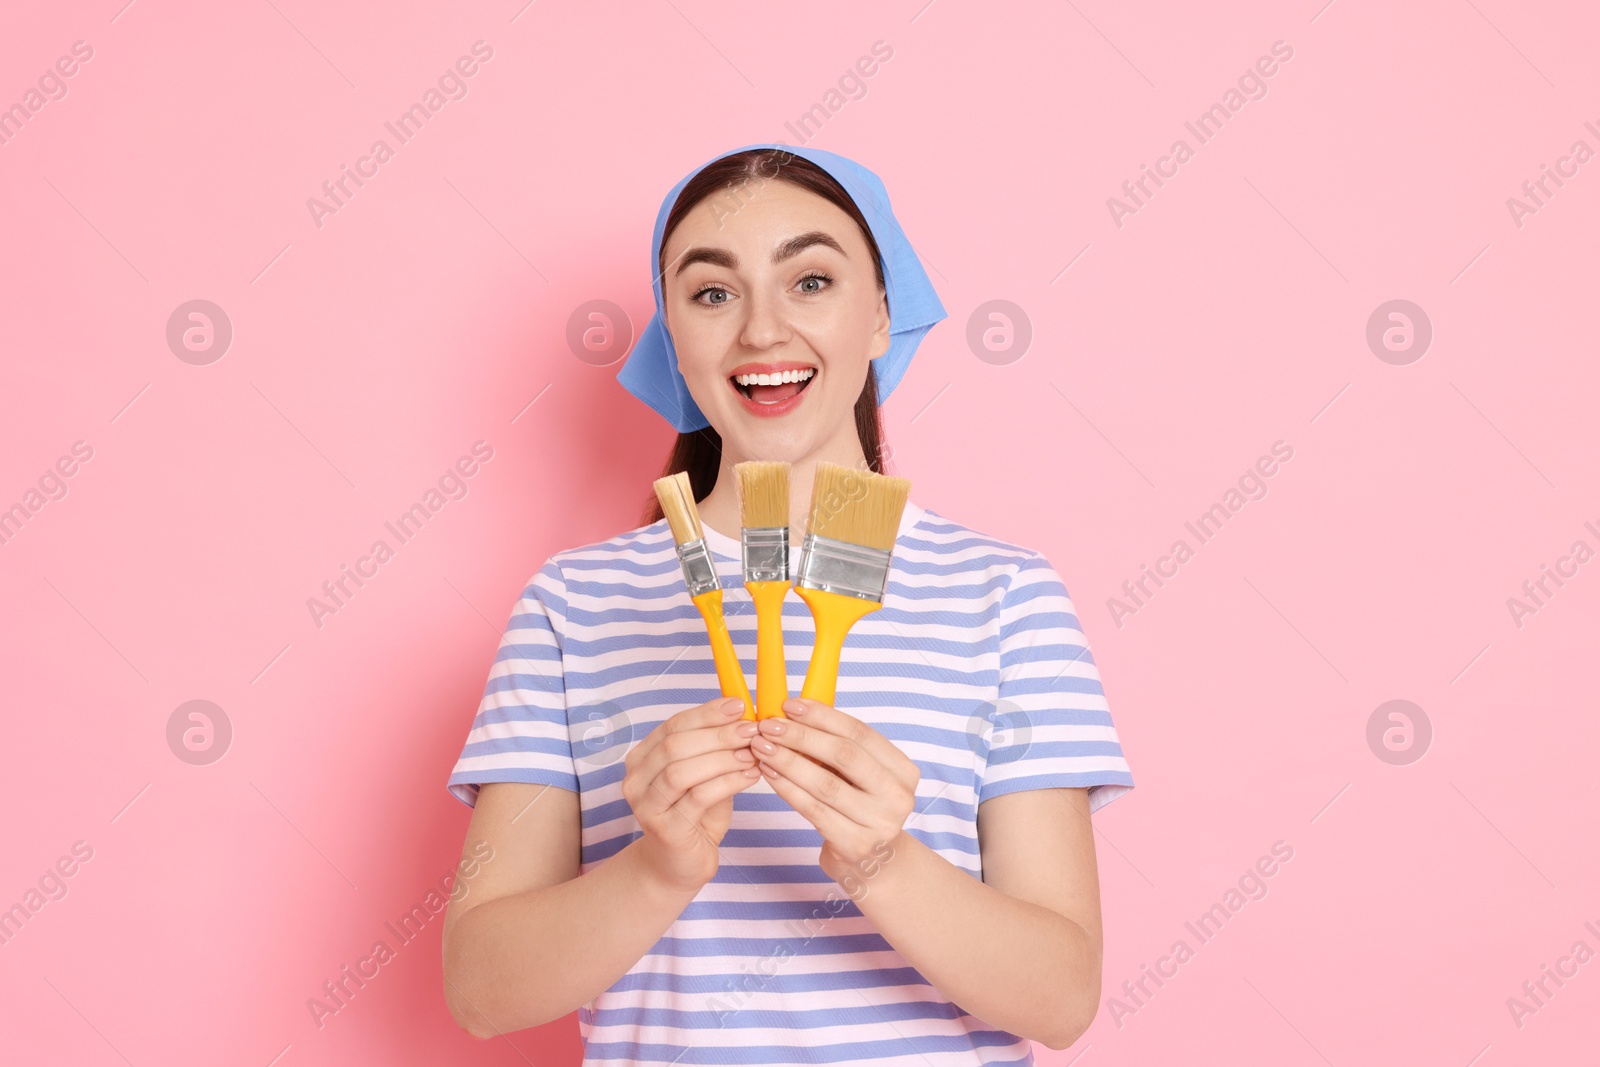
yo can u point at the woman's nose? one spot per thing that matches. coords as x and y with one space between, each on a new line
765 324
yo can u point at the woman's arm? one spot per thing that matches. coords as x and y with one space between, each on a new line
532 940
1020 949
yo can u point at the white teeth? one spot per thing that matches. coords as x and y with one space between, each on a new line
774 379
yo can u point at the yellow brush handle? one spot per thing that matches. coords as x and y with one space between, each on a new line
729 674
834 613
772 669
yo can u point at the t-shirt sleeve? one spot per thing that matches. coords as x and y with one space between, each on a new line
520 733
1051 726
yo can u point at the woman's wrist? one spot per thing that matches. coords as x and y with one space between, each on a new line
886 864
651 879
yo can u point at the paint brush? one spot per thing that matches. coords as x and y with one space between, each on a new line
705 589
764 537
844 560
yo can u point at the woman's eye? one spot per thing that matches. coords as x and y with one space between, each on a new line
805 285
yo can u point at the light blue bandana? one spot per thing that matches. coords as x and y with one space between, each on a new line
651 370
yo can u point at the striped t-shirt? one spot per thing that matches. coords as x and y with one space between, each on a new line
976 667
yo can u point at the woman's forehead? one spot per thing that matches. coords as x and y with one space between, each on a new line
772 223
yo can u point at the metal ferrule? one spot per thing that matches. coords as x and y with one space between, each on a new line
841 567
699 572
766 553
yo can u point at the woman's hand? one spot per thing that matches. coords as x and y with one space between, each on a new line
844 777
680 781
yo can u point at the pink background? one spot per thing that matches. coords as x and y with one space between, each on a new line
1168 354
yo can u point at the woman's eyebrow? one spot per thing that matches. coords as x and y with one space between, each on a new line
721 257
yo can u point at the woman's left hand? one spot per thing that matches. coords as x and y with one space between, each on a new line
844 777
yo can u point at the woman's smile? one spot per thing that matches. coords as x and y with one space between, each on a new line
768 390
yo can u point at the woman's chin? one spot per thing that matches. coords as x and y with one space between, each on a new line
787 438
775 439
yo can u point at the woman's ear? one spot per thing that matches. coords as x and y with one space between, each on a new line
880 329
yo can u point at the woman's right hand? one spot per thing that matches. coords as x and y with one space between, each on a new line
680 781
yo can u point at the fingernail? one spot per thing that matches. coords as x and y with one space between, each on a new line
748 729
768 771
772 726
794 707
766 746
732 705
744 754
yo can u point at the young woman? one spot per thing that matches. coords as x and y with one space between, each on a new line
907 877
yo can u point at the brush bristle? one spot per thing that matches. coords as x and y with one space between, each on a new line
677 504
857 506
763 494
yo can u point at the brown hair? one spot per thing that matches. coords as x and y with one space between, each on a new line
699 452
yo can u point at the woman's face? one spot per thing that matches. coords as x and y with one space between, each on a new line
769 278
